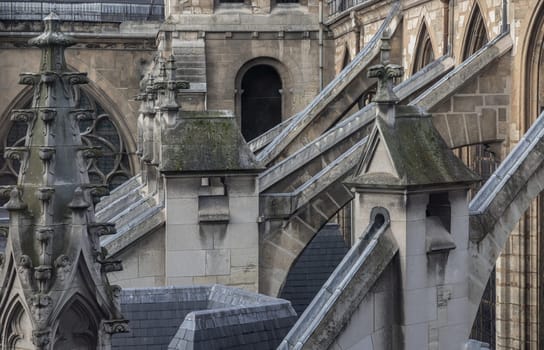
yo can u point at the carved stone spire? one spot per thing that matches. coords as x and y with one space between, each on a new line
54 271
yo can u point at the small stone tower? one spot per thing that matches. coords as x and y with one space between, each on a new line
408 169
54 292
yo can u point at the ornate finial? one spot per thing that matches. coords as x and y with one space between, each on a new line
386 72
52 42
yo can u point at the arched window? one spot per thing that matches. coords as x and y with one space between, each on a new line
424 49
112 168
261 100
476 36
77 329
346 59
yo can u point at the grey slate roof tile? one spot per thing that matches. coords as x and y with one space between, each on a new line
238 320
314 266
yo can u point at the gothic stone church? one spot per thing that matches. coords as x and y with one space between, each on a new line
292 174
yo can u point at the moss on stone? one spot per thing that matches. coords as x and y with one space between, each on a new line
205 141
418 153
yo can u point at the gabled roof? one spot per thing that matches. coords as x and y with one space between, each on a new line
408 153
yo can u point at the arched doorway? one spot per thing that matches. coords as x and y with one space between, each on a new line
261 100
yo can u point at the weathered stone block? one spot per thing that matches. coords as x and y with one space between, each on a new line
492 84
497 100
218 262
472 127
488 124
187 237
238 236
456 123
466 103
440 122
182 211
186 263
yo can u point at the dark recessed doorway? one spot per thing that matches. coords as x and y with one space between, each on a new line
261 100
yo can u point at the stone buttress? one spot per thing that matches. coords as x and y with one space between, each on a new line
54 291
408 169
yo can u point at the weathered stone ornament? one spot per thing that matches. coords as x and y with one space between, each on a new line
50 266
386 73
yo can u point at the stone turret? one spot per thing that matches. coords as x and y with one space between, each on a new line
408 169
54 291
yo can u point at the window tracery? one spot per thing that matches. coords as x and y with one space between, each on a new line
476 36
111 168
424 49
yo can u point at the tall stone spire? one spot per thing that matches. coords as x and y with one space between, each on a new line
54 292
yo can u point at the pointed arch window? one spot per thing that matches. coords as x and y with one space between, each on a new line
424 49
346 60
111 168
476 36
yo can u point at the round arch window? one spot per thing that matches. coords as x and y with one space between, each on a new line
261 100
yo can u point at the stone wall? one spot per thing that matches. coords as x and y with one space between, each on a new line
143 263
176 8
430 13
352 32
200 253
479 112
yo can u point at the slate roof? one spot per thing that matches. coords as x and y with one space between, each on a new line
314 266
206 317
84 10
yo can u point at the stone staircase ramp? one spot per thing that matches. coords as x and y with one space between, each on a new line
148 220
261 141
500 204
120 191
130 211
119 204
310 159
352 282
333 101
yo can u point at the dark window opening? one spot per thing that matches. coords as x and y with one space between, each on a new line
424 50
439 206
261 101
346 60
477 35
286 1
